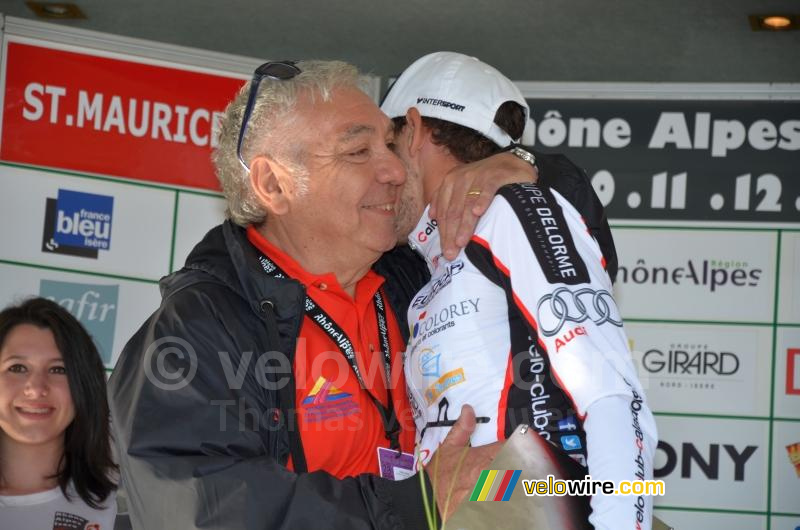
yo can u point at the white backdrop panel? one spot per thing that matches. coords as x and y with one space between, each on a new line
735 453
196 215
784 523
789 293
111 309
787 374
141 223
696 274
704 369
785 477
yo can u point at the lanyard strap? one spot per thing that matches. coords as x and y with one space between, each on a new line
327 324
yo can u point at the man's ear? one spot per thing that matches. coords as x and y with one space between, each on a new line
270 183
416 130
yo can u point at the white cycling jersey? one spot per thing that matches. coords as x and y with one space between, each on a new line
522 326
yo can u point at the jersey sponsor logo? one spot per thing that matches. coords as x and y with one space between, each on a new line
430 228
416 410
416 327
430 323
567 424
793 371
77 224
563 305
638 441
440 103
548 233
444 383
424 297
325 401
570 335
638 435
442 419
540 397
541 411
429 363
571 442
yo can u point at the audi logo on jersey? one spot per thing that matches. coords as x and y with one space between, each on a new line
562 306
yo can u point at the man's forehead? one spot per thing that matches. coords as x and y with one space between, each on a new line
349 114
354 130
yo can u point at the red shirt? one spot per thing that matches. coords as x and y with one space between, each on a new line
340 426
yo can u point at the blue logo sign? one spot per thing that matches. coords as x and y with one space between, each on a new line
78 224
567 424
429 363
571 442
95 306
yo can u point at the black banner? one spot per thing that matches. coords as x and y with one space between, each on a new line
709 160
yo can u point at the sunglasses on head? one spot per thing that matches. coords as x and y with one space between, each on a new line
278 70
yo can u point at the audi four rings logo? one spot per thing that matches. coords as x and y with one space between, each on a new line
571 306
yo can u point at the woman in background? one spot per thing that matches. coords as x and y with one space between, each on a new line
56 469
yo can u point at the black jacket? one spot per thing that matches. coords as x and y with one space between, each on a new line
208 449
212 453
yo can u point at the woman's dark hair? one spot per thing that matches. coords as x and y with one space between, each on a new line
87 460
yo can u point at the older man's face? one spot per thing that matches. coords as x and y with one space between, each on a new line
354 178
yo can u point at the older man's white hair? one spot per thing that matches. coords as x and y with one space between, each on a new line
269 132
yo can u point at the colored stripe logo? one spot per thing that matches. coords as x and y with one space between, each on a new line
324 392
495 485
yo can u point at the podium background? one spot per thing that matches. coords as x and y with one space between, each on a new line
724 432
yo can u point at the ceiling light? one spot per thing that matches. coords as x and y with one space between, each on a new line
777 22
774 22
59 10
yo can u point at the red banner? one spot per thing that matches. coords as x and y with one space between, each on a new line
115 117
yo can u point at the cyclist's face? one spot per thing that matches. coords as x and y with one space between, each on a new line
411 203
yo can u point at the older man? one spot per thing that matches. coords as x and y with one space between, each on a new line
267 390
521 323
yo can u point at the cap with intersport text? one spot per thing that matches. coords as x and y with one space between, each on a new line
457 88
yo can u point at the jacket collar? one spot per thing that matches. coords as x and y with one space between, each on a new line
226 255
